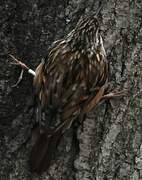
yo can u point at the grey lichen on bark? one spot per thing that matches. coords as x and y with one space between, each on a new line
108 145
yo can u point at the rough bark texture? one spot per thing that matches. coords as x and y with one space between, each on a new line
108 146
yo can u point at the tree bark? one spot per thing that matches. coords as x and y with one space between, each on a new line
108 145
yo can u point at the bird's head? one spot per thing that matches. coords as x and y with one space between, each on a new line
85 37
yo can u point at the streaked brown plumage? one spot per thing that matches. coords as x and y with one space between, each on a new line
70 82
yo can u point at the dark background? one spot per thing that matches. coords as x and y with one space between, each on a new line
108 145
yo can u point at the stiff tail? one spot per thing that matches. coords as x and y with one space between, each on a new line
43 151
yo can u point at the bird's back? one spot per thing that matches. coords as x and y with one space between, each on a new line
68 79
70 82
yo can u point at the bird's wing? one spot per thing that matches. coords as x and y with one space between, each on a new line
67 85
70 82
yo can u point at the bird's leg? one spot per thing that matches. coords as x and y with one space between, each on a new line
115 94
23 66
19 79
19 63
108 98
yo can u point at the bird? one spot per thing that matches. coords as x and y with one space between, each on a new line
70 82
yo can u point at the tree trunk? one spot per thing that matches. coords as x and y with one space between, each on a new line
108 145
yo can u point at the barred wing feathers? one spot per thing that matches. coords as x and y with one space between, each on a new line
70 79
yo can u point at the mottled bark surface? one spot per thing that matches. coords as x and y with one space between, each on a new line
108 146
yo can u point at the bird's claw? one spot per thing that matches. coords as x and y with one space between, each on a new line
22 65
115 94
19 79
18 63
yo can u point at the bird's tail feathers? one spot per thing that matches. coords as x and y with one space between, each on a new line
43 151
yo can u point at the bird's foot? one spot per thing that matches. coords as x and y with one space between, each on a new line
19 79
115 94
19 63
22 65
